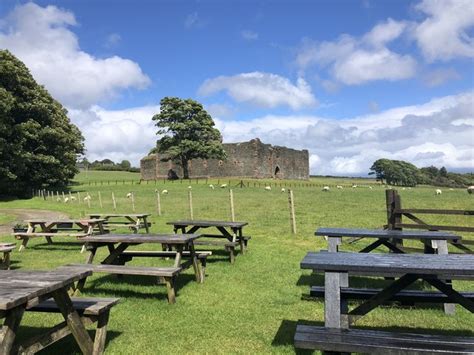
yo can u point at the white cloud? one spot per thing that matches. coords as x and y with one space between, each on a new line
444 34
354 61
262 89
440 76
41 38
249 35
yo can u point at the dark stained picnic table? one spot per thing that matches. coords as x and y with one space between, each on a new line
52 228
434 241
232 231
21 289
135 221
178 245
432 269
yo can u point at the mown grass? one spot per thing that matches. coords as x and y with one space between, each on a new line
253 305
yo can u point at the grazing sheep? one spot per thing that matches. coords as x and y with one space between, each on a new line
268 188
283 189
470 190
164 192
223 186
58 199
211 186
438 192
354 186
129 195
87 198
325 188
339 187
66 199
451 189
370 187
403 189
190 187
73 198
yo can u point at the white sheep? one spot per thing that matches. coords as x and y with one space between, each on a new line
190 187
211 186
470 190
354 186
438 192
403 188
66 199
283 189
129 195
451 189
223 186
87 198
370 187
164 192
73 198
325 188
268 188
339 187
58 199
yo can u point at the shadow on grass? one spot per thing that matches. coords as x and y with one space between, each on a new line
99 286
286 333
66 345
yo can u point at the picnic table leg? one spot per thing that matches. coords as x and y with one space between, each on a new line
24 243
333 247
147 228
101 334
5 261
73 321
335 310
198 271
10 327
441 247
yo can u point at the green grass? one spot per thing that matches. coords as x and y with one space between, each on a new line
6 218
253 305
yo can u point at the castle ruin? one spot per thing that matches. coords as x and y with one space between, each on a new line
252 159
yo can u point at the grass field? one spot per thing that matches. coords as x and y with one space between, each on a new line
249 307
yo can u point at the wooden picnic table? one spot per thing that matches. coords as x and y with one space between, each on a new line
134 221
232 231
54 228
434 241
432 269
181 246
22 289
6 249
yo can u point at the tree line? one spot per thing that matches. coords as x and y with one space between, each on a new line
402 173
107 165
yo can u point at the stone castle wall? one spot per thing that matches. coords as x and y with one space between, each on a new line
252 159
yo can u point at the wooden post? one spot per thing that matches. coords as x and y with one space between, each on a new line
232 212
158 203
57 195
100 200
190 198
88 200
292 211
79 197
133 201
393 203
113 200
70 196
63 195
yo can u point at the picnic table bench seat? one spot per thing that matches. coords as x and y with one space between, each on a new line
379 342
21 235
405 296
91 310
165 275
5 249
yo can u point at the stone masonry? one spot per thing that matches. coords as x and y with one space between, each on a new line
252 159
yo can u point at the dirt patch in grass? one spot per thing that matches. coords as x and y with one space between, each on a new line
23 214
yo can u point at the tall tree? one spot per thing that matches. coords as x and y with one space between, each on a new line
38 143
395 172
188 132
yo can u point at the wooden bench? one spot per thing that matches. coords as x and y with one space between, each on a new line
406 297
6 249
201 255
379 342
166 275
228 246
91 310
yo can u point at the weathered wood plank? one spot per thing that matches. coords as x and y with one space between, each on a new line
385 234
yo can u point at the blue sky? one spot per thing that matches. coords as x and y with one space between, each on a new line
351 81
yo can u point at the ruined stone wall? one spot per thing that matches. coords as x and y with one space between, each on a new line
252 159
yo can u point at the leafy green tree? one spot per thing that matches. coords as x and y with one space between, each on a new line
125 165
38 143
188 132
395 172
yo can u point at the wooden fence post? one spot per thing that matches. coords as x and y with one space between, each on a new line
113 201
133 201
393 203
232 211
100 200
190 198
292 211
158 202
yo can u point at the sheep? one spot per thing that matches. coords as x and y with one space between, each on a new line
211 186
190 187
223 186
268 188
451 189
470 190
164 192
129 195
283 189
58 199
73 198
325 188
370 187
438 192
354 186
66 199
403 188
87 198
339 187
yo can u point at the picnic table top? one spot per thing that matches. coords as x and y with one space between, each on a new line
107 215
57 221
141 238
385 233
206 223
18 287
428 264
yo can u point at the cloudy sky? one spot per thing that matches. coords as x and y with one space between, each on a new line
351 81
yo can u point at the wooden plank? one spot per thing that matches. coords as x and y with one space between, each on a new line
206 223
85 305
385 233
141 238
435 211
451 265
435 227
127 270
381 342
